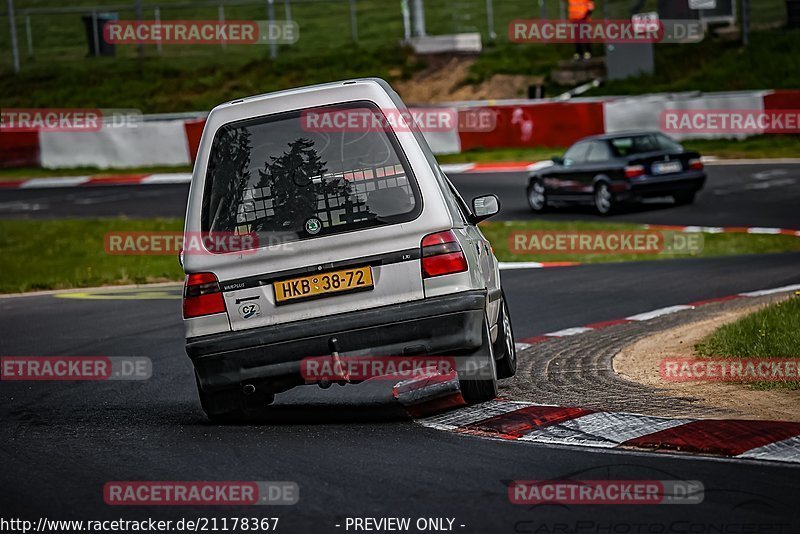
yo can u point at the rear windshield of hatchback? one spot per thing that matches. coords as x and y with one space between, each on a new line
285 179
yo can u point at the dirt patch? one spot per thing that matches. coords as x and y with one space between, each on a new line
443 80
640 361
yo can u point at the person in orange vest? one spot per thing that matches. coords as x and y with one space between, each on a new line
580 11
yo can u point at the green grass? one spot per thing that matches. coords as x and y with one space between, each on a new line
196 78
33 172
713 244
763 146
768 333
501 154
60 254
771 61
37 255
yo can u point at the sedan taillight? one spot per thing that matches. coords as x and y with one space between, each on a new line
442 254
632 171
202 295
696 164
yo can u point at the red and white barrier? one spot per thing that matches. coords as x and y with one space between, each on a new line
519 124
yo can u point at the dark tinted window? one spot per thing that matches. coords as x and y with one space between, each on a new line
599 152
638 144
576 154
276 177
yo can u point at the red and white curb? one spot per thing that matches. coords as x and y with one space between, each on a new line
514 265
429 393
185 178
500 167
646 316
109 179
726 229
557 425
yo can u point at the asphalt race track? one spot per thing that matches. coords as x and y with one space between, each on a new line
735 195
349 449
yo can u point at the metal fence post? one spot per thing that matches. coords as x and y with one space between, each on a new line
542 10
353 21
287 8
419 18
273 48
406 20
490 19
13 27
157 18
29 34
221 13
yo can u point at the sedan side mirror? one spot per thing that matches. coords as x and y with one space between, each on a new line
484 207
558 160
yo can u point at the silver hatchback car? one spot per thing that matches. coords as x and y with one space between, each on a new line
360 246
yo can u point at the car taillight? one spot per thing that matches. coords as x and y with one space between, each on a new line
695 164
441 254
202 295
632 171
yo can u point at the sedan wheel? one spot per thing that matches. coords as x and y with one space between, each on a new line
536 196
603 200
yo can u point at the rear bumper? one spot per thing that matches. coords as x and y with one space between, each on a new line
446 324
663 186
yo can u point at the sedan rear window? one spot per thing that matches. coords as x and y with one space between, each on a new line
638 144
284 180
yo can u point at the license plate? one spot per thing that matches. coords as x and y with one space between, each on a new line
323 285
667 167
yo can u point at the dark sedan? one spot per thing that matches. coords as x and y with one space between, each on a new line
612 169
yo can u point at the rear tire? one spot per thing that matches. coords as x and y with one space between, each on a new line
231 405
604 202
505 350
684 198
221 406
537 197
482 389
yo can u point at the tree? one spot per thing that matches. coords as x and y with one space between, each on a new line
228 167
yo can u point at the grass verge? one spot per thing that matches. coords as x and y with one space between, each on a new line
22 173
768 333
713 244
61 254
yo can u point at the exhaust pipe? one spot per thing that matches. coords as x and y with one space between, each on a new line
248 389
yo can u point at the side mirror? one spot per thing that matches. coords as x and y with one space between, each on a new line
558 160
484 207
